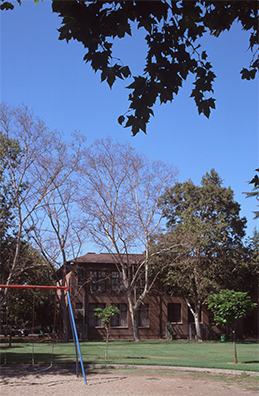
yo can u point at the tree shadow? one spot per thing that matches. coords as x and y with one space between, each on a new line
23 370
27 375
251 361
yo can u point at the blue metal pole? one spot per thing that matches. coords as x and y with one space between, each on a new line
74 339
73 325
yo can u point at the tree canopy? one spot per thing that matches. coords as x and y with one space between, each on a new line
208 210
173 31
229 306
202 248
7 201
255 192
31 269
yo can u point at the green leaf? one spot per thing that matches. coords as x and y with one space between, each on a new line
248 74
6 5
121 119
204 55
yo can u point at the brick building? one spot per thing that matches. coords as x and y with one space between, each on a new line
94 282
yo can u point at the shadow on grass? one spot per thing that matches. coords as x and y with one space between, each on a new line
252 361
39 357
246 341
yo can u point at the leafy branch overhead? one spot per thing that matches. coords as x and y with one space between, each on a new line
173 30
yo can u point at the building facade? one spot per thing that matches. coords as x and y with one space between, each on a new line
94 282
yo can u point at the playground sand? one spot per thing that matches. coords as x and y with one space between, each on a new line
22 381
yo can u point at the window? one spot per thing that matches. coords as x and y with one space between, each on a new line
140 284
121 319
79 312
143 315
94 321
115 281
97 281
80 276
174 313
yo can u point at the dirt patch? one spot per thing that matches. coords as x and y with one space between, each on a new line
63 382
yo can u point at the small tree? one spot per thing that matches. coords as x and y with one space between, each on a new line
228 307
106 315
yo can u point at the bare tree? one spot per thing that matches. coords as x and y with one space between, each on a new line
120 191
54 225
40 170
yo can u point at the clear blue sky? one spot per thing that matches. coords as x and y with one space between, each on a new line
50 77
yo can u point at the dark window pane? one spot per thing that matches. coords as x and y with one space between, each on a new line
143 315
174 313
98 282
121 319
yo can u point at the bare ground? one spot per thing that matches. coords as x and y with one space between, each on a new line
24 381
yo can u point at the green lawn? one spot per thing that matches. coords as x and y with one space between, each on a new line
213 354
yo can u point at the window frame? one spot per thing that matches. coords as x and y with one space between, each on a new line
97 281
120 317
80 276
174 313
143 315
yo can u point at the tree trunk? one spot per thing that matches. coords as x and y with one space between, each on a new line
133 309
64 317
63 300
234 342
136 337
107 340
197 326
196 315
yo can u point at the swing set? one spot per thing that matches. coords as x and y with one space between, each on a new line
72 323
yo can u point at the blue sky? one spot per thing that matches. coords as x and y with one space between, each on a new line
50 77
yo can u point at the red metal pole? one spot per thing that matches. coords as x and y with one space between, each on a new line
33 287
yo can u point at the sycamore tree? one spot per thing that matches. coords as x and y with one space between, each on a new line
173 31
206 230
228 307
58 236
33 164
119 194
54 225
39 170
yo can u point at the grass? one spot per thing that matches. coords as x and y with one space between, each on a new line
213 354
